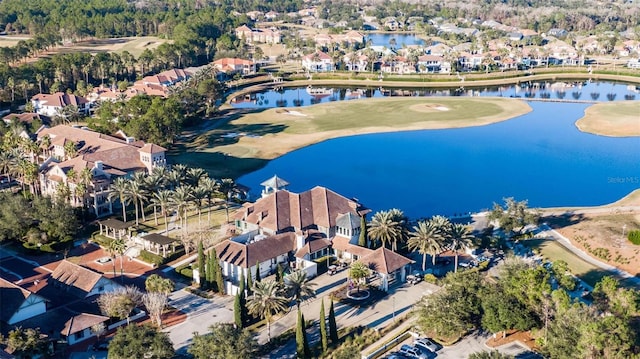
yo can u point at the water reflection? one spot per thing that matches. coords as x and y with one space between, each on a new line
282 97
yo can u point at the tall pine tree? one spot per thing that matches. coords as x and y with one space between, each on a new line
302 346
333 327
201 266
362 240
323 328
279 274
214 268
219 281
249 282
258 271
237 311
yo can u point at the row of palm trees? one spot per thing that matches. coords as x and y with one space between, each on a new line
179 189
272 297
431 236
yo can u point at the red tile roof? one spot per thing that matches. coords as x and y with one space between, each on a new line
246 255
285 210
60 99
385 261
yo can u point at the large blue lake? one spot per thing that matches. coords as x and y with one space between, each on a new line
540 156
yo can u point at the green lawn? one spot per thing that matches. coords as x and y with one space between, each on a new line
278 131
553 251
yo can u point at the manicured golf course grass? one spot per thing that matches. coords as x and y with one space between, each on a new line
245 142
619 119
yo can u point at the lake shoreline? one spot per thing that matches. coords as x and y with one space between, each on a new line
612 120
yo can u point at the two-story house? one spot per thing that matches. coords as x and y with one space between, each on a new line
318 62
288 228
105 157
56 103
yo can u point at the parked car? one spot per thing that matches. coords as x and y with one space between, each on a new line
413 279
426 343
413 352
395 355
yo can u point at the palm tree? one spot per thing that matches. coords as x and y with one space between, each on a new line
153 184
298 287
173 179
266 301
227 187
194 175
163 199
118 246
7 163
180 200
426 239
198 195
119 189
384 228
140 178
357 272
134 193
45 145
459 238
210 187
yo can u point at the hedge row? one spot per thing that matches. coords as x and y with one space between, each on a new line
157 260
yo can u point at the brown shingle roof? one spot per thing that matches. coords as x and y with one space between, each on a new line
80 280
313 246
81 322
60 99
151 148
342 244
286 210
159 239
246 255
385 261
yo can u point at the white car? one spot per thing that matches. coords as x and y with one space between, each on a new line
427 344
412 352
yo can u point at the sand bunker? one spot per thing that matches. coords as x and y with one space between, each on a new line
428 107
289 112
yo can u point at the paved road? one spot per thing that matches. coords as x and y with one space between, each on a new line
201 314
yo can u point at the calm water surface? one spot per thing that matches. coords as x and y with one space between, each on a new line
540 156
401 39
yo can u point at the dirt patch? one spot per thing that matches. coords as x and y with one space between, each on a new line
429 107
601 236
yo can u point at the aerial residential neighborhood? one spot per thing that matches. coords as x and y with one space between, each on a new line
319 179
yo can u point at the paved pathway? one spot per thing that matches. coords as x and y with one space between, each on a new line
201 314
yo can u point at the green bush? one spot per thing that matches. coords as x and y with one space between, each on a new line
324 263
483 266
430 278
151 258
634 236
185 270
158 260
101 239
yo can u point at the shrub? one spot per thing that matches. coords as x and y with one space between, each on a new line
151 258
185 270
324 263
430 278
634 236
483 266
602 253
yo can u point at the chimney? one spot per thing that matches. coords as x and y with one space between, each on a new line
300 242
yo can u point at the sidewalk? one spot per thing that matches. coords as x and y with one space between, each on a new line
389 336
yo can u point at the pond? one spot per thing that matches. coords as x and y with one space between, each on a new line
579 91
540 156
400 40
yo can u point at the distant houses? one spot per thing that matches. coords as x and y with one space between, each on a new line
318 62
267 36
55 104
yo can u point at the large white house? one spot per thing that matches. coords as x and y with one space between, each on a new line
292 229
54 104
105 157
318 62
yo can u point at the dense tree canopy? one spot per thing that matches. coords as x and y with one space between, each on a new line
224 341
140 341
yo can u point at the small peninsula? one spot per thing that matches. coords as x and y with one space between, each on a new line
619 119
